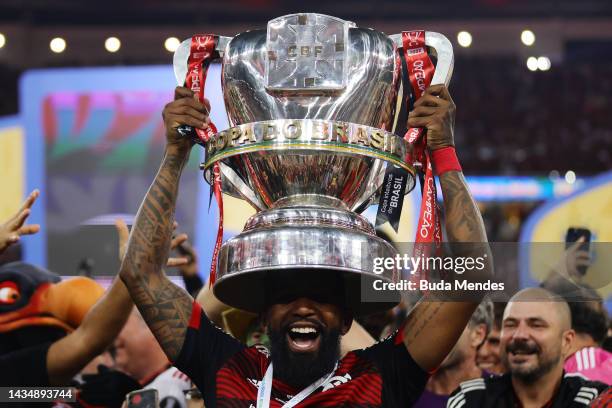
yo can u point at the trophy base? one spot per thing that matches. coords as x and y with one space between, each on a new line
311 236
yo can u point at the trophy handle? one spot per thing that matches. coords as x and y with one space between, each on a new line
240 187
180 63
446 59
443 50
181 57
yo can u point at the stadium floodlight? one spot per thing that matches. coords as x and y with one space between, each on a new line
464 39
532 63
2 40
112 44
528 37
57 45
171 44
543 63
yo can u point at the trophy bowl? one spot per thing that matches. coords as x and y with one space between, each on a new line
271 160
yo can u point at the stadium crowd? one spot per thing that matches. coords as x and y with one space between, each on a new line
526 110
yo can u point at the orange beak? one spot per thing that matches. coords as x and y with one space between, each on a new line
62 305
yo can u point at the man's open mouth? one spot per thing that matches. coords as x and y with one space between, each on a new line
303 338
521 352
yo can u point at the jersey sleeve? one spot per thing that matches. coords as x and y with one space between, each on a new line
403 379
470 393
205 349
26 367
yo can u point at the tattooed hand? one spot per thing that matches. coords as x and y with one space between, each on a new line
435 110
184 110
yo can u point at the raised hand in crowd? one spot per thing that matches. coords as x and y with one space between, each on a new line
575 261
569 269
15 227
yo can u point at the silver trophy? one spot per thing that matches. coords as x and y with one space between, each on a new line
312 105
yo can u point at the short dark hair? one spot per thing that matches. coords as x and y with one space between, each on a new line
483 315
586 307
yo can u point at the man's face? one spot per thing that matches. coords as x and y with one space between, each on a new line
134 346
488 357
305 339
532 339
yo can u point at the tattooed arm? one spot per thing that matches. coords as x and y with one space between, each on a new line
165 307
434 325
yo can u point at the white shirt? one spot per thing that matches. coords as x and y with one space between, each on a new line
170 385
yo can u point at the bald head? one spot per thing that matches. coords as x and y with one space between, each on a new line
542 301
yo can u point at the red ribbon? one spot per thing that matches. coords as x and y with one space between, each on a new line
202 52
420 72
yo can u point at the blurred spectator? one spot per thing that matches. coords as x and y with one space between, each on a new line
590 322
460 364
488 357
607 343
141 364
49 331
589 317
536 338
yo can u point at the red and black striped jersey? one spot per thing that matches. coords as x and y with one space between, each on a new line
228 373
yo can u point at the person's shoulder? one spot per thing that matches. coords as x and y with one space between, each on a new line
604 400
583 385
472 392
588 358
580 389
602 354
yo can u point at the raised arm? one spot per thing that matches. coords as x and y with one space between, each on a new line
67 356
101 324
434 325
165 307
